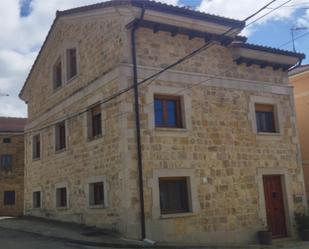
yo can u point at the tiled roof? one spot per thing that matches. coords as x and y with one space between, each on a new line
268 49
12 124
298 70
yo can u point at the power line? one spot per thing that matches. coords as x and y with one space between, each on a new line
193 53
296 38
269 12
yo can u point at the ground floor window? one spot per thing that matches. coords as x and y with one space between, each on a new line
174 197
9 198
61 197
96 193
37 199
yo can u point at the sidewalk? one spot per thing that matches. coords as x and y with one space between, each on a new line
94 237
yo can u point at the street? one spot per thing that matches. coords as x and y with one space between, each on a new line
10 239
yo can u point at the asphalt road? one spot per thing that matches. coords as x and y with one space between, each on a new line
18 240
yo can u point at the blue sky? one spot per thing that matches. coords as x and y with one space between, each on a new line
25 23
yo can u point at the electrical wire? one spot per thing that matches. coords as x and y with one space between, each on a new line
296 38
152 77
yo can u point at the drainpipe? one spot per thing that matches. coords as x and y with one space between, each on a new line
138 128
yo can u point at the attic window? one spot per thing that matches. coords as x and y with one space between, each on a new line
57 74
71 63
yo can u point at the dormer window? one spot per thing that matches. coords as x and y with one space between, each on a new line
71 63
57 74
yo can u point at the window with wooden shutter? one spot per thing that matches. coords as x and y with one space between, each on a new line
95 122
173 195
168 111
57 74
36 147
60 136
71 63
37 199
61 197
96 193
265 118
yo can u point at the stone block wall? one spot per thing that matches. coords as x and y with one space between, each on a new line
12 179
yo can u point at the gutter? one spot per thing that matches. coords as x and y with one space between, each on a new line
137 124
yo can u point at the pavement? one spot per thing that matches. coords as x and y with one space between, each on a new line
37 233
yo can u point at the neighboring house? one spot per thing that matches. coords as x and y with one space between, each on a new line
219 152
12 166
299 78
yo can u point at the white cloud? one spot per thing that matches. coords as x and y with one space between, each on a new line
21 38
241 9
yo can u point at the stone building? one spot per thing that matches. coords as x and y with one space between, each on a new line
11 166
299 79
212 154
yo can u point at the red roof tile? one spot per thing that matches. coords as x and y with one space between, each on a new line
12 124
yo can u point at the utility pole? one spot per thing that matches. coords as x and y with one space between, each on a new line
293 30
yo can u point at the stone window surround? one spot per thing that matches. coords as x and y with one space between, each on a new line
186 108
62 55
95 100
66 137
95 179
61 185
38 189
192 192
41 146
277 114
287 196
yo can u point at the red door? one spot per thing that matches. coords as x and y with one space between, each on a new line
274 205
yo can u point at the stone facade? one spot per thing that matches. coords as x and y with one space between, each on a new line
219 149
12 176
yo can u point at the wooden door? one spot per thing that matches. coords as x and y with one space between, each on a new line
274 205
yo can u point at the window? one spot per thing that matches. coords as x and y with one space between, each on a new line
168 111
9 198
71 63
60 133
96 193
37 199
6 162
36 147
265 118
57 74
95 122
61 197
7 140
173 195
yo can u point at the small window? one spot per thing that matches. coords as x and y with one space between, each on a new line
7 140
9 198
173 195
57 74
71 63
265 118
168 111
60 138
37 199
6 162
61 197
96 194
36 147
95 122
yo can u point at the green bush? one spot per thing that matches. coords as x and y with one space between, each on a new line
302 221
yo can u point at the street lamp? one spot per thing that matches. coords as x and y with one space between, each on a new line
294 29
